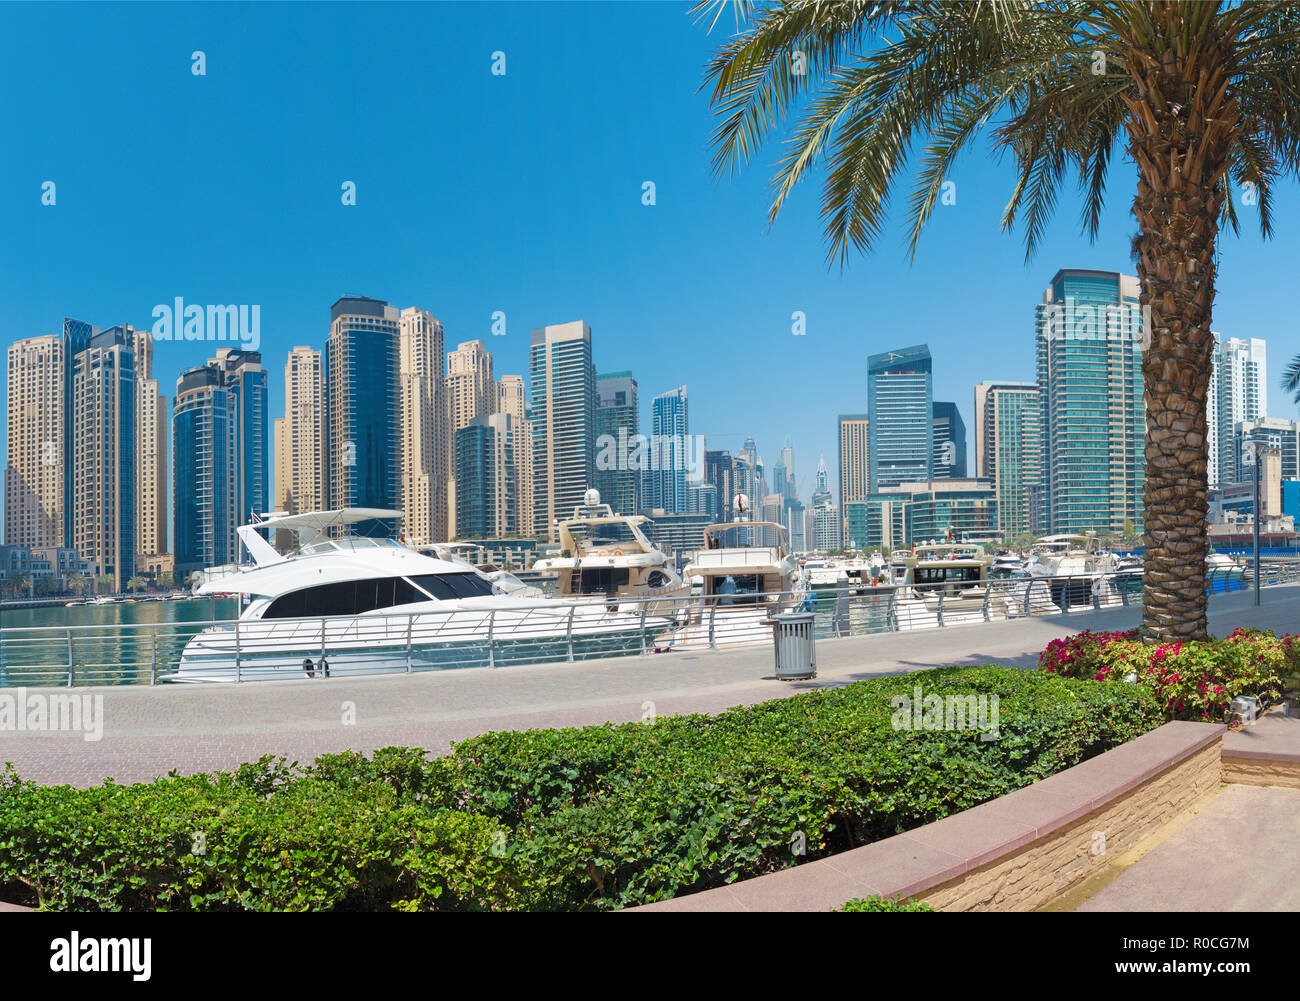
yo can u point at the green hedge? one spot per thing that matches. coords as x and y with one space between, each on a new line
590 818
874 904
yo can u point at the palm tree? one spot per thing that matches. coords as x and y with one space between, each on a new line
1204 96
1291 379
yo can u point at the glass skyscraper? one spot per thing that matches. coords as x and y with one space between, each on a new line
900 414
617 420
669 426
363 407
949 441
220 475
1089 353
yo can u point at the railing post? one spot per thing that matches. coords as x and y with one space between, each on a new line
238 669
568 633
988 585
153 664
940 609
642 630
410 623
891 613
1029 584
1097 584
322 647
492 616
71 670
712 642
1123 593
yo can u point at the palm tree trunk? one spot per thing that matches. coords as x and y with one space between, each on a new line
1178 136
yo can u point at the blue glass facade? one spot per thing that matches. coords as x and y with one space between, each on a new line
363 407
900 411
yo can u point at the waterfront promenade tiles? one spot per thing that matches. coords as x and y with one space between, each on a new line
1236 854
191 728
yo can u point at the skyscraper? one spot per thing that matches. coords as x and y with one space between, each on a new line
34 473
423 435
826 520
300 450
220 472
564 419
363 406
1009 451
151 454
470 390
1271 432
949 441
669 427
720 472
512 401
618 422
487 494
1089 328
855 465
1238 392
245 382
201 495
102 492
899 407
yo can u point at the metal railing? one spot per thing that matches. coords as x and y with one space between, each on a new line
553 630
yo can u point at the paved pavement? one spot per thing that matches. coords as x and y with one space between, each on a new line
191 728
1237 854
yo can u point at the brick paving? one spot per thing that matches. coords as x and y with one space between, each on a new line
1237 854
191 728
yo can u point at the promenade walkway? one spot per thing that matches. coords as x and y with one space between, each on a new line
191 728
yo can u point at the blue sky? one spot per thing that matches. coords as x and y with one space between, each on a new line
519 193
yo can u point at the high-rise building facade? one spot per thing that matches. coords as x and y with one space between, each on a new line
470 390
618 423
202 518
563 380
1089 355
102 491
1009 452
827 528
249 485
720 473
1275 433
34 473
151 469
669 427
855 464
488 498
423 433
220 472
949 441
900 409
1238 392
300 448
363 406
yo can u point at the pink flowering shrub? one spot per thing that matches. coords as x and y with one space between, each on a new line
1087 654
1194 680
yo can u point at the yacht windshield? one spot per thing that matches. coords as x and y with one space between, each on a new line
353 597
589 536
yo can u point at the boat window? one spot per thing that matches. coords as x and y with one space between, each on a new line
351 597
938 575
444 586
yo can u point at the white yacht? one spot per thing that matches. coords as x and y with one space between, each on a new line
745 579
356 605
606 556
1076 557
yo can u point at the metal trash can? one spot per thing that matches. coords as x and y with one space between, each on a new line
795 651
